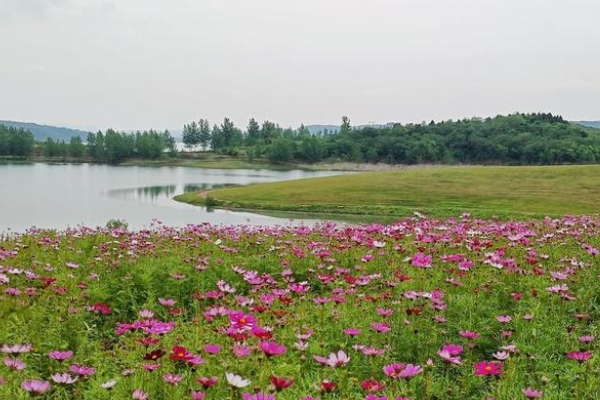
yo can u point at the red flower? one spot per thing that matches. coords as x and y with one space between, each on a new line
180 353
281 383
154 355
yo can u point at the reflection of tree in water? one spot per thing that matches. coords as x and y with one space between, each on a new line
154 192
197 187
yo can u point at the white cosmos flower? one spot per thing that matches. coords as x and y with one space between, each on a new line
236 380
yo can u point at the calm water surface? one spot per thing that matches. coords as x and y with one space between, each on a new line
68 195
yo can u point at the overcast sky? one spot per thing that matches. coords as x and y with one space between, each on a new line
132 64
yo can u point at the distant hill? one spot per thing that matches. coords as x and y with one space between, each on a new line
589 124
43 132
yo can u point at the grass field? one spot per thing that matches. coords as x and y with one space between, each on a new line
519 192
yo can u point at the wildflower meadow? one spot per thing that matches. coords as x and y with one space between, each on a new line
421 309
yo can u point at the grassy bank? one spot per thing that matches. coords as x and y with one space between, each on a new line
483 191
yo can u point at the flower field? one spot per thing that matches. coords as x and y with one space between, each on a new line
420 309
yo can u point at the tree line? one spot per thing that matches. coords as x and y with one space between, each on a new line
538 138
114 147
16 142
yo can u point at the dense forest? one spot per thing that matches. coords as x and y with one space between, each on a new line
513 139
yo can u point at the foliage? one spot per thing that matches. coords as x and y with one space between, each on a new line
523 139
16 142
113 147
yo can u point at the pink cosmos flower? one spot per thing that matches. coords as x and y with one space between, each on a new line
258 396
14 363
197 395
580 356
242 321
485 368
421 260
172 379
352 331
16 348
400 370
371 351
35 386
381 327
451 353
338 359
207 382
212 349
146 314
469 335
272 348
82 370
586 339
167 302
139 394
532 393
64 379
241 351
60 356
504 319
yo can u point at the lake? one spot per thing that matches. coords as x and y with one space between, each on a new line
68 195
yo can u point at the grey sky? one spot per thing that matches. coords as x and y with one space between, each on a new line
135 64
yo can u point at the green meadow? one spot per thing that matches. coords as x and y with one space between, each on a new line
506 192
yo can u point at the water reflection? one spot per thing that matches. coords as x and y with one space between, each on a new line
67 195
159 194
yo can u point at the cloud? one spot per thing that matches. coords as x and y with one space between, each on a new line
17 10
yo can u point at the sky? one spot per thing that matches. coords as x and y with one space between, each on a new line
138 64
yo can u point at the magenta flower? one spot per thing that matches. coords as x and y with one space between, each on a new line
400 370
212 349
352 331
35 386
207 382
60 356
451 353
421 260
241 321
381 327
469 335
338 359
272 349
579 356
485 368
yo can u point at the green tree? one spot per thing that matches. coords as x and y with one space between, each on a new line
76 147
